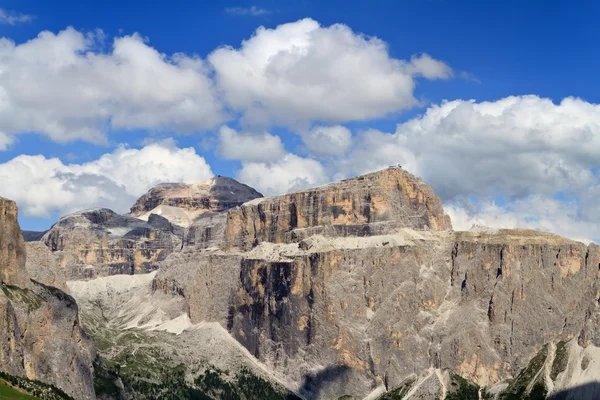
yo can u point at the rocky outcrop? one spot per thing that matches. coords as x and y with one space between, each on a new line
43 266
380 309
40 336
99 242
182 203
310 294
12 246
358 288
367 205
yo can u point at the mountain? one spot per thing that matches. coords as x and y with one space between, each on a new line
181 203
356 289
40 335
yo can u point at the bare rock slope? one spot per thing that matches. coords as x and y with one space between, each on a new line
182 203
40 336
361 288
100 242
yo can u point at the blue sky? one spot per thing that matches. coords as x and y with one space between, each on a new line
491 50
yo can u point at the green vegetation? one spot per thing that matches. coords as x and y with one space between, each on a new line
105 381
35 389
399 392
24 297
517 390
7 392
462 389
561 359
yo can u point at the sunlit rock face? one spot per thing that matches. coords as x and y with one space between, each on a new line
40 336
182 203
361 285
99 242
367 205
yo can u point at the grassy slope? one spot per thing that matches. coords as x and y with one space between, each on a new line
7 392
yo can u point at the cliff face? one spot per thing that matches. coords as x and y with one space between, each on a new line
40 336
371 204
383 293
381 309
12 247
99 242
181 203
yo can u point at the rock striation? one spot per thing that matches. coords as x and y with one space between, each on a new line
366 205
40 336
355 289
361 287
182 203
100 242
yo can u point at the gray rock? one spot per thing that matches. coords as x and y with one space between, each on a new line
40 336
99 242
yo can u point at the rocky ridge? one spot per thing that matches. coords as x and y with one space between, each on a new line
361 289
182 203
40 335
366 205
364 283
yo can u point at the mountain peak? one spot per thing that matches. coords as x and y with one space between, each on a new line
181 203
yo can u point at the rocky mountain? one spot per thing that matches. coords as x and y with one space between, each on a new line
356 289
40 335
99 242
362 285
182 204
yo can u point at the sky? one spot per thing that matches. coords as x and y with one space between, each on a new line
495 104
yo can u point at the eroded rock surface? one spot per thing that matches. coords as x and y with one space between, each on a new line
369 309
361 288
182 203
371 204
99 242
40 336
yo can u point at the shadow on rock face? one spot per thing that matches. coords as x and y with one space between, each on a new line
314 384
588 391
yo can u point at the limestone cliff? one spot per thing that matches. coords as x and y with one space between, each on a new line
99 242
345 288
366 205
182 203
12 246
40 336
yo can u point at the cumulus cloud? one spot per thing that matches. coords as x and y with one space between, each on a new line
43 185
245 146
328 140
62 86
516 147
287 174
301 72
533 212
252 11
13 18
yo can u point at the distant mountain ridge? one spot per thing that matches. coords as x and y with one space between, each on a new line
355 289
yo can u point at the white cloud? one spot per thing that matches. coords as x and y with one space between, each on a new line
252 11
13 18
301 72
249 147
60 86
533 212
42 185
328 140
515 147
287 174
